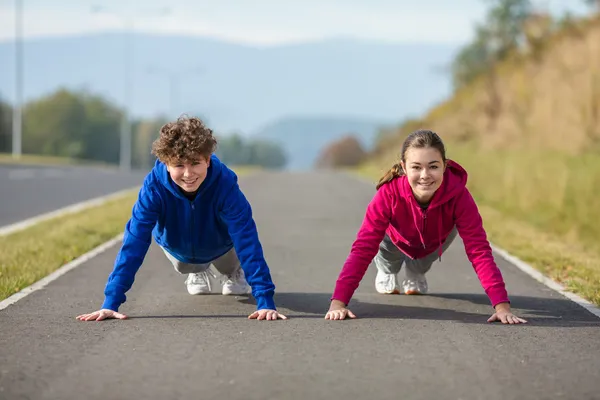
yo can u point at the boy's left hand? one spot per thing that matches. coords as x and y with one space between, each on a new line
266 314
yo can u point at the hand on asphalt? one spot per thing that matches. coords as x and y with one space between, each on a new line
338 310
266 314
100 315
506 317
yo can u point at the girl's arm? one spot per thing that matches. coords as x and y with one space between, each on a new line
470 228
377 219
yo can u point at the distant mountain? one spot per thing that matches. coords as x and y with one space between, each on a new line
304 137
240 87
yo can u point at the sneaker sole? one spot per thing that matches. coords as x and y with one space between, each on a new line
229 293
396 291
198 293
412 292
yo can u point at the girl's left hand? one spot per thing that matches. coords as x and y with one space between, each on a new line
266 314
504 315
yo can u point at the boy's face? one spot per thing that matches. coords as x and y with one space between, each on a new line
189 175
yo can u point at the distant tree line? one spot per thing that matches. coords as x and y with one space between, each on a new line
80 125
237 150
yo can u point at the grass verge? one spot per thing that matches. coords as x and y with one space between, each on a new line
33 253
32 159
561 256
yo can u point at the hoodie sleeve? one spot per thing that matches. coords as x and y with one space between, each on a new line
470 228
365 247
136 241
237 214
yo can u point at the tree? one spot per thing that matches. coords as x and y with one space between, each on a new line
5 127
344 152
595 4
235 150
74 125
267 154
145 132
502 32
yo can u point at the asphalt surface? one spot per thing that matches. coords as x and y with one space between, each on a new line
177 346
28 190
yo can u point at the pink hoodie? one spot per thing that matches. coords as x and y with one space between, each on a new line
418 233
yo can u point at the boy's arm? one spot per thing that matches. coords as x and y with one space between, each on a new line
136 240
237 214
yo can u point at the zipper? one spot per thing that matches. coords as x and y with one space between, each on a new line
192 230
423 226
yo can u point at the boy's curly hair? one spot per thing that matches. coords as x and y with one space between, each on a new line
184 140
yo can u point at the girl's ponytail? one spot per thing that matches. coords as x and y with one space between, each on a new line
391 174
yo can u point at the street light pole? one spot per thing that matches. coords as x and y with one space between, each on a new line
125 143
173 80
17 120
126 129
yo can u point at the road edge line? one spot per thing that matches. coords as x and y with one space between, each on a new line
61 271
73 208
549 282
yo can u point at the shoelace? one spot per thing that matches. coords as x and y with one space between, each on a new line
203 275
234 277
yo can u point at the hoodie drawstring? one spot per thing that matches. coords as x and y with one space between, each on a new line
412 205
440 239
416 222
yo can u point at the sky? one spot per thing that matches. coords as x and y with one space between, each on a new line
261 22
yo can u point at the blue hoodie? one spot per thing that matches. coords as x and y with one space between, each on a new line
198 231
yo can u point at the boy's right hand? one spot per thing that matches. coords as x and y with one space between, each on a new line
100 315
338 310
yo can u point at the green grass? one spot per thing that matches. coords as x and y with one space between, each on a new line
541 207
31 254
6 158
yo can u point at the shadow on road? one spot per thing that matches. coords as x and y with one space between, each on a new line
544 312
538 311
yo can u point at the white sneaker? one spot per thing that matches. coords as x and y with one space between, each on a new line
236 284
415 286
386 283
198 283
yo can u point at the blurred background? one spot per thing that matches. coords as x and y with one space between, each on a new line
512 86
279 81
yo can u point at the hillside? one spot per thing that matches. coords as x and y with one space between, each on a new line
530 138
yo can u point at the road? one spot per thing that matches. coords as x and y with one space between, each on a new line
27 190
177 346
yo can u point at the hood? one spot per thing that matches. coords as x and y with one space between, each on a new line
162 175
455 180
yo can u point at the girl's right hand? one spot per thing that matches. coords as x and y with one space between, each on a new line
100 315
338 310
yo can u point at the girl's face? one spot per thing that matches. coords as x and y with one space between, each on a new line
424 169
190 175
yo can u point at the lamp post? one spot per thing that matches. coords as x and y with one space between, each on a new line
17 117
173 80
128 87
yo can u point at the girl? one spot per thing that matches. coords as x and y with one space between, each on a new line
420 206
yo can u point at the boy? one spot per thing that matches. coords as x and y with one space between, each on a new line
193 207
